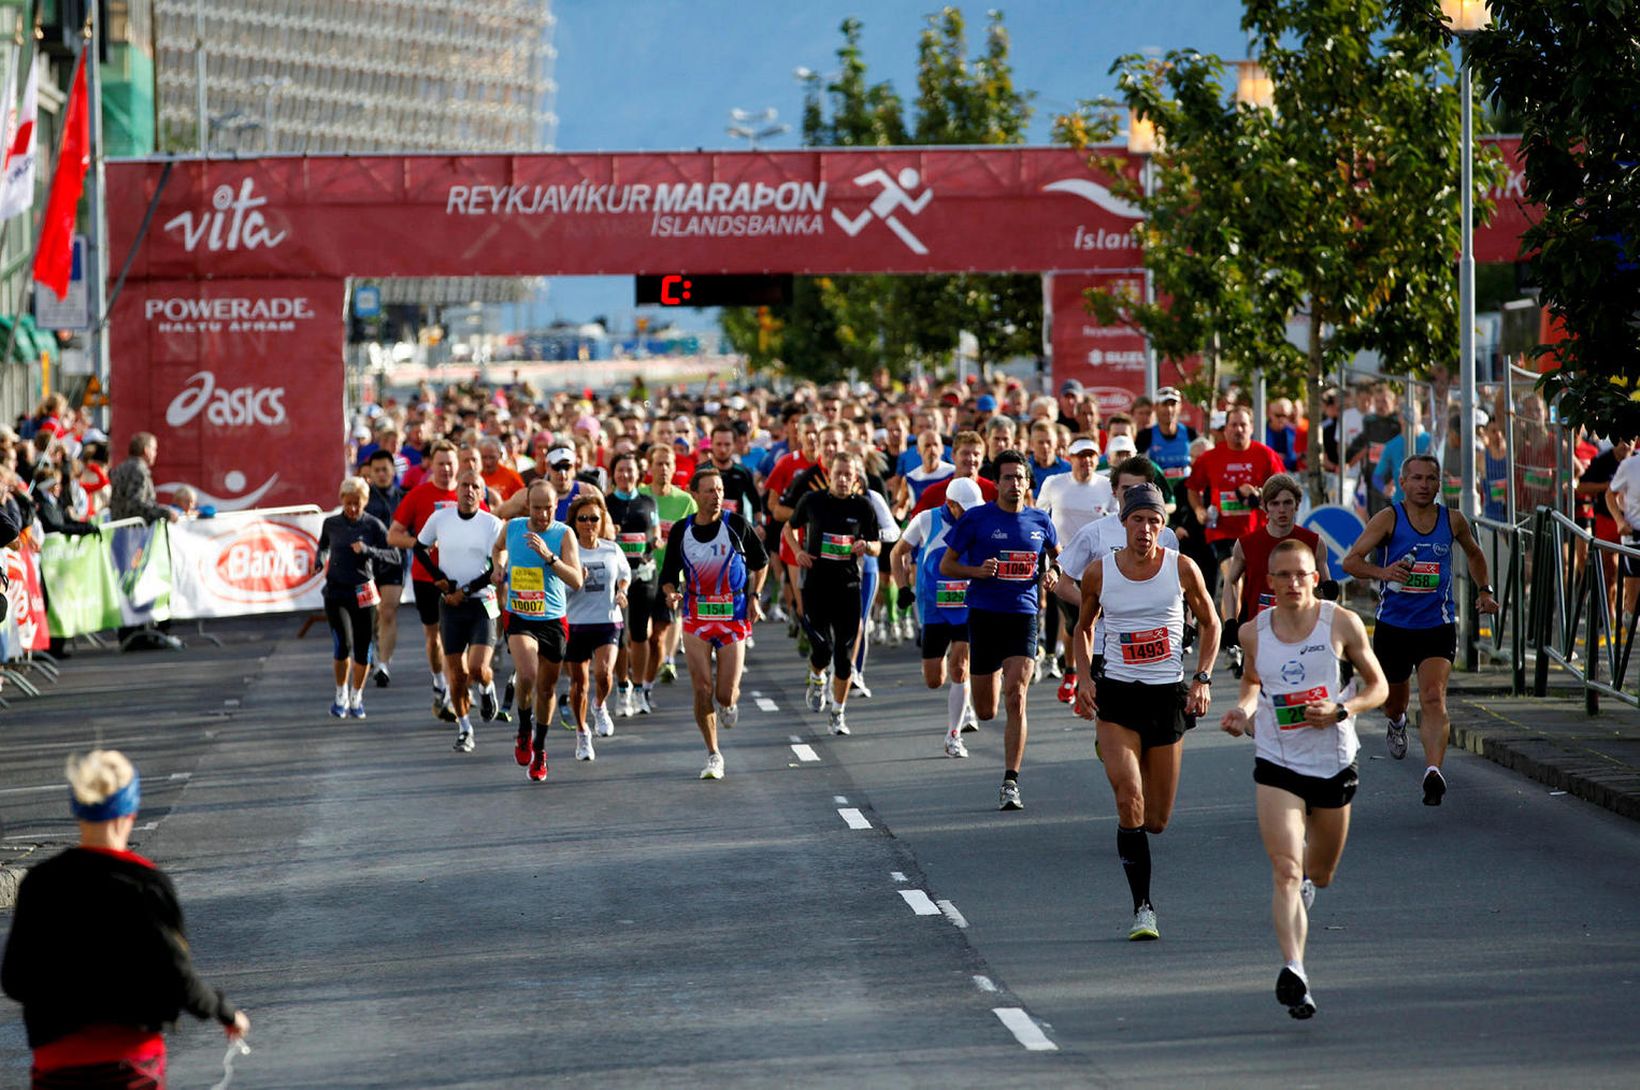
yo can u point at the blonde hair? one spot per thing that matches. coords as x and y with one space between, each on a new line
98 774
355 486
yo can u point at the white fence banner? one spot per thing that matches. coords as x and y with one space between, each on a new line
245 562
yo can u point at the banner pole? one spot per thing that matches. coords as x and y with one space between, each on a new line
96 214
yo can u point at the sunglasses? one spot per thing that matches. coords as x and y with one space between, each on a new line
589 518
563 466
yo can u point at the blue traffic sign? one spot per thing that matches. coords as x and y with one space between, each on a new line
367 301
1338 527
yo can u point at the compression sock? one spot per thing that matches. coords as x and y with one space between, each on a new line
526 722
956 698
1010 776
1133 848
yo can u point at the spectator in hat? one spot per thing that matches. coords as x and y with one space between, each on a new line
985 407
1070 395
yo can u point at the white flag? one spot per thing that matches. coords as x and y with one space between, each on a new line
17 174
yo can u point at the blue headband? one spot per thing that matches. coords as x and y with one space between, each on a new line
122 803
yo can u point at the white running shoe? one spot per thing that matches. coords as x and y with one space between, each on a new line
1144 925
839 724
624 702
728 715
970 720
954 746
815 693
643 702
1055 670
857 684
604 725
1395 738
778 614
908 628
714 767
583 746
464 742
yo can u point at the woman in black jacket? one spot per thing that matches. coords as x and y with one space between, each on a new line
97 954
352 545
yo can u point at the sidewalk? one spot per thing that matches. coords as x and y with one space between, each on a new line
1551 740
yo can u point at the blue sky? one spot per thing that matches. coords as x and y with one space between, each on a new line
664 74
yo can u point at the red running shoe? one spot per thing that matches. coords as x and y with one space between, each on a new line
538 766
521 749
1067 689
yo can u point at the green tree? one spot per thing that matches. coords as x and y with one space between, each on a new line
1339 203
1569 70
855 323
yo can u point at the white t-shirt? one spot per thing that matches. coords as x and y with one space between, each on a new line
604 568
1627 481
1072 504
1101 537
463 544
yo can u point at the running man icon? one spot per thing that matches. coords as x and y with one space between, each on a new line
894 196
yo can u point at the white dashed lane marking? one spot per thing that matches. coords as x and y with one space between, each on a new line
952 914
805 752
920 902
855 819
764 704
1027 1032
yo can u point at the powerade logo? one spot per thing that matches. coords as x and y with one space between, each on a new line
226 408
263 562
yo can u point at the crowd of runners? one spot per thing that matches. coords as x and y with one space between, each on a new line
1013 539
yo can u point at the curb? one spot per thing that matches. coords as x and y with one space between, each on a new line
1552 762
10 879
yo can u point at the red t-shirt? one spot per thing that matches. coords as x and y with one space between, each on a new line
780 477
414 511
1219 472
1256 548
934 494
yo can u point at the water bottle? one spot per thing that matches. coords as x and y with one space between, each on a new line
1390 586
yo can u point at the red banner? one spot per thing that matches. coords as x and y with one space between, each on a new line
1109 361
1499 239
242 383
837 211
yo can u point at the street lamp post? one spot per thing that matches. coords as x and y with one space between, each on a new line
1256 90
269 86
754 126
1141 140
1465 18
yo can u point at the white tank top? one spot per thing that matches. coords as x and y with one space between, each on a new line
1291 676
1143 623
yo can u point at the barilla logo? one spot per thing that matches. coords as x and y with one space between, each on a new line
233 222
1112 399
264 562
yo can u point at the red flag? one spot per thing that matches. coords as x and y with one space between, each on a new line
53 261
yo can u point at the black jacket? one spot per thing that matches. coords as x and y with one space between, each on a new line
57 521
348 570
97 938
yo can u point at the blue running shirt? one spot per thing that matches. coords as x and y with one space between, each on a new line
1016 540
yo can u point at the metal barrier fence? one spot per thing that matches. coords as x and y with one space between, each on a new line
1562 593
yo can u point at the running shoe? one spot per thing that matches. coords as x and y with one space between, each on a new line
338 709
355 709
1067 689
778 613
839 724
1036 669
1293 992
803 645
714 767
1144 925
954 746
383 678
521 749
464 742
1306 893
538 765
583 746
502 715
602 723
1395 738
668 672
624 704
728 715
1434 787
908 629
857 684
970 719
815 693
1055 668
644 707
442 708
486 704
1008 798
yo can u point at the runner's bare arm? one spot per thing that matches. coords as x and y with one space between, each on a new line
1093 580
1239 719
570 570
1200 603
498 559
1350 636
1464 535
400 537
952 568
1378 528
1233 573
899 562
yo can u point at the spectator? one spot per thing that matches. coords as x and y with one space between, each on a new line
132 484
1279 433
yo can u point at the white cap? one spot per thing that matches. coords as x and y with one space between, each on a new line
964 493
1216 421
712 408
560 454
737 403
1120 446
1481 418
1084 444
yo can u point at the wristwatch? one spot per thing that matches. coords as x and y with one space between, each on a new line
1486 590
1204 677
1342 714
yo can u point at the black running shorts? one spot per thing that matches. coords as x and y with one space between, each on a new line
1154 712
1403 650
463 626
428 600
640 610
551 637
937 639
1331 793
584 639
995 637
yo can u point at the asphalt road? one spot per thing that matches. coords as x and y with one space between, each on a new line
395 914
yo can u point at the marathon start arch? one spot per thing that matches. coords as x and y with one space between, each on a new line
228 336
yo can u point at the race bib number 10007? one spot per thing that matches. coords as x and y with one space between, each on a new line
527 592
